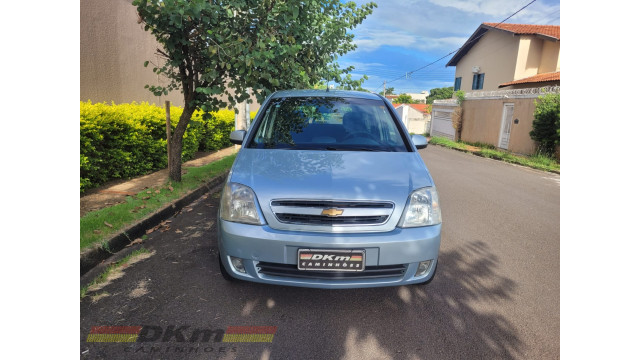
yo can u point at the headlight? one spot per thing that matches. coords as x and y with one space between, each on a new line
423 209
238 204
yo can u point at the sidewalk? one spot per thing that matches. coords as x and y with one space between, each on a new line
116 192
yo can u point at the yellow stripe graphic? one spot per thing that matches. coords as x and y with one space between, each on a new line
247 338
112 338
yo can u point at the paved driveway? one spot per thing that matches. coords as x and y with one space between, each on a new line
496 293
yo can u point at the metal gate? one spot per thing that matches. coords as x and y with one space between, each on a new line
441 124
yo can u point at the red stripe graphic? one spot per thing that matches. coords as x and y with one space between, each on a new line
251 330
115 330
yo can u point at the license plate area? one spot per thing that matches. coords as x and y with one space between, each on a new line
331 260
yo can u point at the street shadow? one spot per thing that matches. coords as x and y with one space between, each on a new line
457 315
461 314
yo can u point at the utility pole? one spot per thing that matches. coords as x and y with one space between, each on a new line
384 89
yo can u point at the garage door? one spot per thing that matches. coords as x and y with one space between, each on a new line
441 125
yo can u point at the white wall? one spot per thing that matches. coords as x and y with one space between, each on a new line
415 121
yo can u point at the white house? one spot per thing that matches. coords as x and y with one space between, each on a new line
421 96
415 117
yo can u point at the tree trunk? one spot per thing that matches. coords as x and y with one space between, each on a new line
175 158
175 162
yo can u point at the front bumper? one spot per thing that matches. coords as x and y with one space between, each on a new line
262 244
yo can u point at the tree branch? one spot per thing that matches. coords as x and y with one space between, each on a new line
162 53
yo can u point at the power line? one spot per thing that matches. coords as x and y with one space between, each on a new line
423 76
545 16
554 19
387 73
408 73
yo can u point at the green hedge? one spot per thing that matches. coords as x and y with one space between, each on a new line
126 140
546 123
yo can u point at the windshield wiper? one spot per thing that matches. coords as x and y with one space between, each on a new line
351 149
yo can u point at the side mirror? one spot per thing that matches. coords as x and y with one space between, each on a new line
237 136
419 141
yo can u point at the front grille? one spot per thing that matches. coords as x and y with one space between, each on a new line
327 220
333 204
370 272
348 213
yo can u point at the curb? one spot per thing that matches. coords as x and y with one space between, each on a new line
90 258
484 157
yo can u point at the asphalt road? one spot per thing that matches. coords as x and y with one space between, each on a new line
496 293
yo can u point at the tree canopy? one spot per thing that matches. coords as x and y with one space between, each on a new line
404 99
440 94
225 48
215 53
323 85
389 91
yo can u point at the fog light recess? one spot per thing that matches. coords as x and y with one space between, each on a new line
238 265
423 268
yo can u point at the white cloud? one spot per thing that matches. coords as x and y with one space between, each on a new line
362 65
372 39
486 7
441 24
451 42
495 9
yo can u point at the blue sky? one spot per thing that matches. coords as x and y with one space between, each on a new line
401 36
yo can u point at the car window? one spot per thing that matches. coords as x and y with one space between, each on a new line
329 123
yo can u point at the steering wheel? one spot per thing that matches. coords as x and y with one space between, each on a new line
359 134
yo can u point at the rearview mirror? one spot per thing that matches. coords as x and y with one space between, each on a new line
237 136
419 141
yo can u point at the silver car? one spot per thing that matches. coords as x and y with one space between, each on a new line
328 191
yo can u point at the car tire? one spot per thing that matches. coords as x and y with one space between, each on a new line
223 270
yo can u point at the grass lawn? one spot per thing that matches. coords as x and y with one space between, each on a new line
538 161
99 225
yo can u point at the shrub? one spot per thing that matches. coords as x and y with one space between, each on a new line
546 123
215 131
115 144
127 140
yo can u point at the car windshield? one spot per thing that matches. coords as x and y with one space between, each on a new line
328 123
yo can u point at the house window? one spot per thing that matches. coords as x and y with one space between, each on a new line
478 81
457 84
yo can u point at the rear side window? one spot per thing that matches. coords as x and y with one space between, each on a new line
330 123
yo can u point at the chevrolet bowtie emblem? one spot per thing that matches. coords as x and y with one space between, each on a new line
332 212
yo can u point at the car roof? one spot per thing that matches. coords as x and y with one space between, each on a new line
325 93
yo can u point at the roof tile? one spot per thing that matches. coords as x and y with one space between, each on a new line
525 29
423 108
553 76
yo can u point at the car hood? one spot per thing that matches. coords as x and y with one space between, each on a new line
330 175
